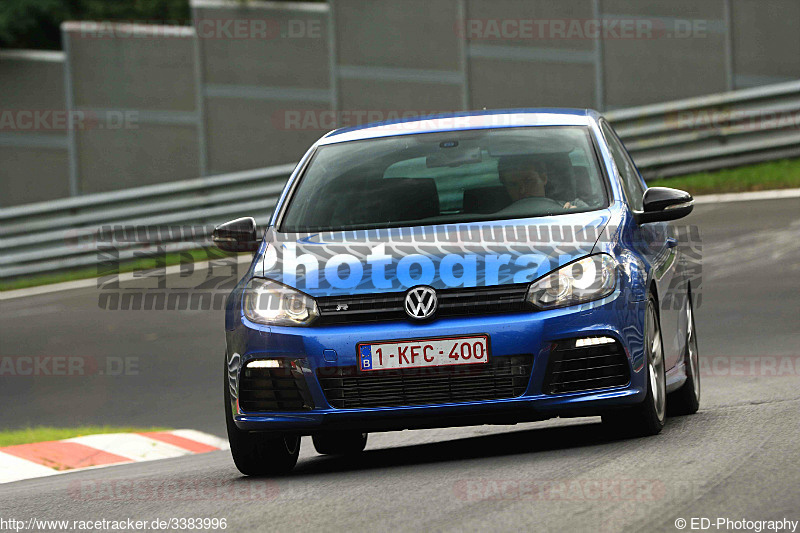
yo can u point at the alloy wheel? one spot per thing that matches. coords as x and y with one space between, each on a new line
655 361
694 362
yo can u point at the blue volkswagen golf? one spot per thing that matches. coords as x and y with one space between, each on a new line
487 267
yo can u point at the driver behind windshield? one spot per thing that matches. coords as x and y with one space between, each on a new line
525 177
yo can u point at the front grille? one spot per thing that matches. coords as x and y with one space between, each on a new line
501 377
273 389
572 369
451 302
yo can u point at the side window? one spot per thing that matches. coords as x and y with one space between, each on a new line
631 183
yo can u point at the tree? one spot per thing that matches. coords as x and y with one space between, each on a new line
36 23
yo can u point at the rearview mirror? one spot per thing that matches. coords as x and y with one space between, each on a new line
662 203
237 235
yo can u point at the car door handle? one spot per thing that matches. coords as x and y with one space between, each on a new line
672 242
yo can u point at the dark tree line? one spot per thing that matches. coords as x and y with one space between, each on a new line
36 23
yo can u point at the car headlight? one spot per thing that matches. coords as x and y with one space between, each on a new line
591 278
272 303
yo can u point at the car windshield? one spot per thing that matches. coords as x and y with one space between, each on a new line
448 177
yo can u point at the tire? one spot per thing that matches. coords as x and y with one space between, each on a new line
259 454
686 400
646 418
340 442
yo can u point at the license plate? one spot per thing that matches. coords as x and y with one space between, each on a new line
416 353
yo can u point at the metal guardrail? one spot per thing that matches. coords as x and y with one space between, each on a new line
667 139
714 131
63 234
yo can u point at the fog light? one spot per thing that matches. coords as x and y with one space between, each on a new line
264 363
592 341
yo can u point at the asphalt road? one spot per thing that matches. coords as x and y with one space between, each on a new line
738 458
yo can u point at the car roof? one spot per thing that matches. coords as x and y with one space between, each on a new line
464 120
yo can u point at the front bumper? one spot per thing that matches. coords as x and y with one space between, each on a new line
510 334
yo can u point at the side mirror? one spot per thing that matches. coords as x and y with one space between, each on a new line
237 235
662 203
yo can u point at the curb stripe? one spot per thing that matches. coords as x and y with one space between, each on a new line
62 455
13 468
180 442
205 438
35 460
132 446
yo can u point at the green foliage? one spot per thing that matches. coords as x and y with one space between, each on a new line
32 23
781 174
36 23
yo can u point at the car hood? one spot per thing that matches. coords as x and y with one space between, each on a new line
443 256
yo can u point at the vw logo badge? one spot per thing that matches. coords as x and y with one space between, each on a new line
421 302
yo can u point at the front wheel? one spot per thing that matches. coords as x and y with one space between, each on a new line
648 417
259 454
686 400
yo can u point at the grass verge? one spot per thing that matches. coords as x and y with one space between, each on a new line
45 434
133 265
782 174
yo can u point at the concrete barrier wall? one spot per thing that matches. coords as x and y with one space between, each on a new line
513 63
253 85
397 58
33 129
765 41
135 89
264 73
682 55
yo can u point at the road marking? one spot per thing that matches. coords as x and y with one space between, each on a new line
25 461
135 447
187 445
63 455
12 468
777 194
205 438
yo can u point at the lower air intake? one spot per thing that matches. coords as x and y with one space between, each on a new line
273 389
588 366
501 377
